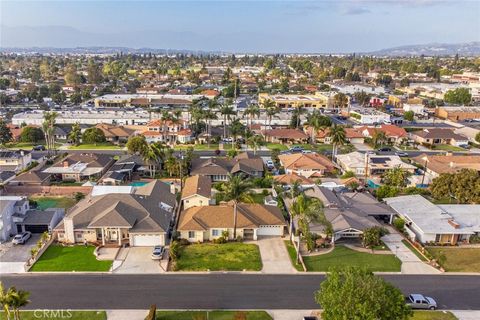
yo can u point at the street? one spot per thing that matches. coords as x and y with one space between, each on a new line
218 291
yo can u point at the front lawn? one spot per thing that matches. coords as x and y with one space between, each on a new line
61 315
213 146
73 258
232 256
342 256
53 202
279 146
98 146
293 255
447 147
211 315
433 315
458 259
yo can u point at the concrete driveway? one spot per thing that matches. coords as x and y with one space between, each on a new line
14 257
138 260
274 254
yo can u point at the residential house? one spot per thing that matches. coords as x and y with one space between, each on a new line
168 131
437 136
218 169
118 173
437 164
393 133
289 179
352 135
369 116
285 136
81 166
139 216
197 191
442 224
115 134
140 165
357 162
309 165
14 160
206 223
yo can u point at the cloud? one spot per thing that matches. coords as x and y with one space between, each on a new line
356 11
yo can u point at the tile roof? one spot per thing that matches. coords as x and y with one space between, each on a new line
291 178
286 134
197 185
309 161
449 163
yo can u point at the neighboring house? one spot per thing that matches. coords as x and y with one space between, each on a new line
349 213
115 134
309 165
351 134
6 176
206 223
394 134
197 192
218 169
438 164
16 216
140 216
435 136
442 224
375 164
167 131
81 166
285 136
470 133
140 165
289 179
32 178
14 160
118 173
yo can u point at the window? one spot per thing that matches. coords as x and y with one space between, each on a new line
191 234
215 232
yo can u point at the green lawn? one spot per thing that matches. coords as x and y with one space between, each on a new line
433 315
98 146
53 202
414 250
61 315
343 256
211 315
458 259
293 255
258 198
213 146
447 147
73 258
227 256
278 146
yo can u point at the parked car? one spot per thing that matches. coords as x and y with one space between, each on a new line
270 165
419 301
296 149
385 149
157 253
464 146
307 151
401 154
38 148
22 238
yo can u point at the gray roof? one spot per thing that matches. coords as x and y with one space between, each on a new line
39 217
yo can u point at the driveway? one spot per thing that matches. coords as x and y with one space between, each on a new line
274 255
411 264
362 146
14 257
138 260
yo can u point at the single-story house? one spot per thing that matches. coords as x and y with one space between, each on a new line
140 216
197 191
443 224
285 136
437 164
393 133
375 164
31 178
118 173
205 223
309 165
14 160
435 136
352 135
81 166
115 134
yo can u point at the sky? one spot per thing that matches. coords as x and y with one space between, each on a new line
329 26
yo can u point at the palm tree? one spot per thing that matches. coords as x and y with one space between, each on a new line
166 118
252 111
237 190
226 111
271 112
48 127
298 111
209 115
340 100
74 135
18 299
378 138
5 300
268 104
338 137
255 142
316 123
152 156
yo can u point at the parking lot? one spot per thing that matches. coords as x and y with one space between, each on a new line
14 257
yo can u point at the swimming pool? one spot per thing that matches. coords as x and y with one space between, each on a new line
138 183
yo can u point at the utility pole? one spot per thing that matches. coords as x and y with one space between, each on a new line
366 167
424 170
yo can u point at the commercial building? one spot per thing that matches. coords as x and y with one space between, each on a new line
285 101
459 113
145 100
369 116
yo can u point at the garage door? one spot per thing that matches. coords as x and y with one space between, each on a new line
147 240
270 231
36 228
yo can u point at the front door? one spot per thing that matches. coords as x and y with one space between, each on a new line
113 235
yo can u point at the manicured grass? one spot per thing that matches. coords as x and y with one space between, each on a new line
98 146
61 315
414 250
343 256
227 256
458 259
73 258
293 255
53 202
448 147
433 315
213 146
258 198
211 315
278 146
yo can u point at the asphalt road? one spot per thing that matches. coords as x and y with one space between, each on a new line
218 291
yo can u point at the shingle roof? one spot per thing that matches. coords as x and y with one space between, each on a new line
197 185
449 163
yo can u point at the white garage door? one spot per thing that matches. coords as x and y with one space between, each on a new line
270 231
147 240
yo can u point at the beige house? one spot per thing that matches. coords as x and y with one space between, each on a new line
139 216
14 160
197 192
310 165
206 223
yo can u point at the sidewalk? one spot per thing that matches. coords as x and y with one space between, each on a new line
411 264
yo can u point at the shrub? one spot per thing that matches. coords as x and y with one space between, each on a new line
265 192
183 242
348 174
174 250
79 196
34 252
474 238
399 224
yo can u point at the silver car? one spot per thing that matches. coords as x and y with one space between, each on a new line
419 301
157 253
22 238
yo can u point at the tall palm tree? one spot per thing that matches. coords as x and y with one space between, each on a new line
268 104
48 127
271 112
209 115
378 138
338 137
152 156
5 300
74 135
255 142
251 112
298 111
18 299
340 100
226 111
237 190
166 117
316 123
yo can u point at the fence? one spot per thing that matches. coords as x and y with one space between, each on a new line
50 190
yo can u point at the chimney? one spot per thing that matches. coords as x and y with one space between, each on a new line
65 164
453 223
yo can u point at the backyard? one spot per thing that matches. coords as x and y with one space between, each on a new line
458 259
342 256
62 314
232 256
212 315
71 258
53 202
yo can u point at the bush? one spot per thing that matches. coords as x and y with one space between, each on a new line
474 238
265 192
183 242
79 196
263 182
348 174
174 252
399 224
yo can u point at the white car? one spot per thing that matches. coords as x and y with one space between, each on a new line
157 253
22 238
270 165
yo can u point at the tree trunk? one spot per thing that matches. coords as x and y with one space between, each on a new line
235 220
